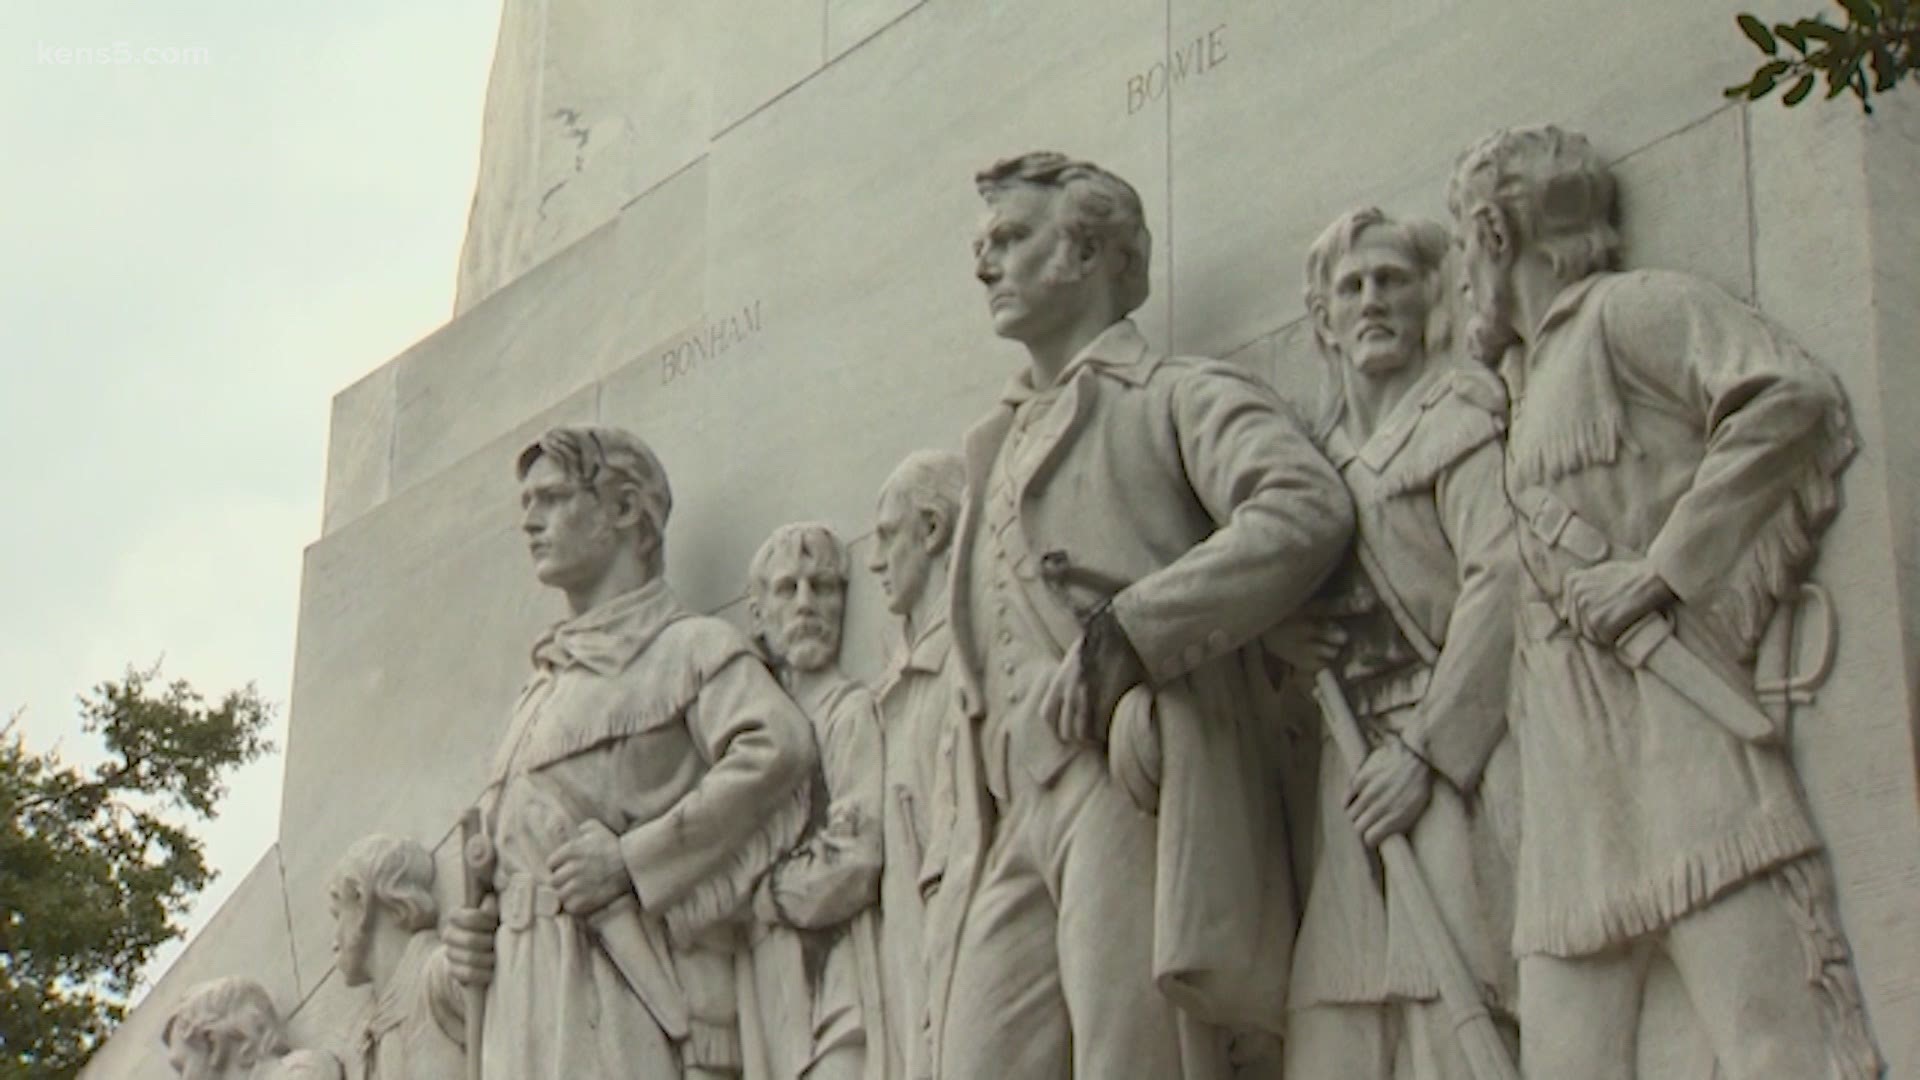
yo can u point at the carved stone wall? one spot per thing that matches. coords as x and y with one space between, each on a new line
744 234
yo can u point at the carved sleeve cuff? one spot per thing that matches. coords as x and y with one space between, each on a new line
1110 658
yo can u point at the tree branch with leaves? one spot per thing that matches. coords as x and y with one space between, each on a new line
95 868
1876 49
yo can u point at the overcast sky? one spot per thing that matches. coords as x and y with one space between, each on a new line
216 218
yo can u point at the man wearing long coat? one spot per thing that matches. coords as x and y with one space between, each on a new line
1133 522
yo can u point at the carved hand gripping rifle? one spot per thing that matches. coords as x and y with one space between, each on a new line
476 861
1480 1041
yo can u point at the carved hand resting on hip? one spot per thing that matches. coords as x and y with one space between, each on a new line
1601 602
1389 792
588 871
1092 678
468 937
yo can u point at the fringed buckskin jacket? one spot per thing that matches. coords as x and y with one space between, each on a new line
1657 418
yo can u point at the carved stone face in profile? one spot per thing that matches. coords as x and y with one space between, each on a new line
570 531
1378 305
1486 286
352 916
224 1030
800 596
211 1054
901 559
1022 257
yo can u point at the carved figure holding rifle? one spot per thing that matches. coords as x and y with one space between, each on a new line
1418 629
653 771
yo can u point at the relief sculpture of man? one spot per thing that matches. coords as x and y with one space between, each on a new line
384 918
824 1016
1418 628
228 1029
1672 461
918 508
1133 523
653 771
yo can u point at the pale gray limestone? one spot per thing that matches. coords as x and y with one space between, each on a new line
1672 462
740 229
1304 133
822 1011
578 124
1133 521
918 510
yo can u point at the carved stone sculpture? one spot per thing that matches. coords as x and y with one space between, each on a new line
384 919
228 1029
1418 628
652 772
1133 522
821 900
918 509
1672 461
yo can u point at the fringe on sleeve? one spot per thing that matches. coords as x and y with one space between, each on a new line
1777 561
724 893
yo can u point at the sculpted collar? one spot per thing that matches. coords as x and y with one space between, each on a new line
820 698
1393 432
605 639
1564 304
1118 351
928 653
392 1005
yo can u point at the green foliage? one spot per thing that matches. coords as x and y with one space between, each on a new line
93 871
1877 48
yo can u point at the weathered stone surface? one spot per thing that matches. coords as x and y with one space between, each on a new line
415 622
850 22
1684 202
873 155
327 1019
634 284
576 128
359 448
495 252
1818 270
754 252
759 48
1378 113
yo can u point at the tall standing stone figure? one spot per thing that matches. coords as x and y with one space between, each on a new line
1133 522
652 773
823 1013
914 521
1418 627
384 918
1672 461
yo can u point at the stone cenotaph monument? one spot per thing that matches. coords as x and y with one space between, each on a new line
1494 658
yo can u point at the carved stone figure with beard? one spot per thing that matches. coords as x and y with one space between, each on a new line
1673 460
819 905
